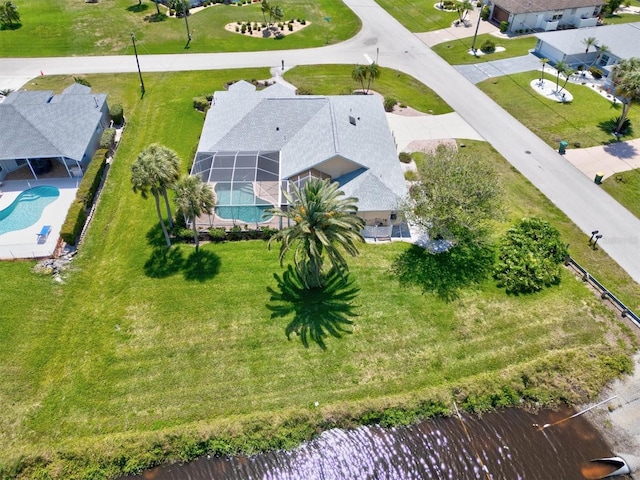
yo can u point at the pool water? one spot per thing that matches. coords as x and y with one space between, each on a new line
27 208
240 203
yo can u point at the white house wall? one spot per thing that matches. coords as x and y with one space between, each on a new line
575 17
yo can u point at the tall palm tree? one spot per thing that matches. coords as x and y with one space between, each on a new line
325 224
544 62
463 8
626 79
561 67
602 49
194 198
9 14
359 74
373 73
588 43
147 177
157 7
170 163
265 8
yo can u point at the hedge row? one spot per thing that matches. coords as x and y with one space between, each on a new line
77 214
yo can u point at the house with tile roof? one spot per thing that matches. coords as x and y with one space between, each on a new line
622 42
39 129
545 15
255 144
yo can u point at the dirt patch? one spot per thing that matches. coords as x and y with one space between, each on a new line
429 146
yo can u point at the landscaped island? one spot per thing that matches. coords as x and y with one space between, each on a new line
145 355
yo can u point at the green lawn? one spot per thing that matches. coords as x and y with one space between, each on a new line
144 355
621 18
625 188
336 80
71 27
586 120
419 15
456 51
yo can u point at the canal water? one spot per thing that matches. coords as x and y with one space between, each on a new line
508 445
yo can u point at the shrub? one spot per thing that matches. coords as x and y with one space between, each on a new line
303 22
389 103
217 234
530 256
117 114
290 27
108 139
484 13
411 176
404 157
183 234
596 72
504 26
243 29
81 81
72 227
91 178
488 46
279 36
304 91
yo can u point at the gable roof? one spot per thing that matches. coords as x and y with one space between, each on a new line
529 6
311 131
39 124
622 40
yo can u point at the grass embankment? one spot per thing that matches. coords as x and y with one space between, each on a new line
588 119
456 51
625 188
69 27
419 15
145 355
336 80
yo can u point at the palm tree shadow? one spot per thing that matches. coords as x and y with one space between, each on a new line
201 265
143 7
318 312
164 262
447 272
155 237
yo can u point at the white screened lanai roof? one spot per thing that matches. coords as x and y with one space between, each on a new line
346 137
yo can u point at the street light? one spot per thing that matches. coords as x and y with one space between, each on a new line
135 50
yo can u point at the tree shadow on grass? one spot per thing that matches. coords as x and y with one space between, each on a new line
201 265
164 262
155 237
143 7
318 312
608 126
155 18
447 272
15 26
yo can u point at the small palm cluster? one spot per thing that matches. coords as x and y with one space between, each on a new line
9 15
366 74
325 225
155 171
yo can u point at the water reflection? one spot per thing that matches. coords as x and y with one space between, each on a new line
507 445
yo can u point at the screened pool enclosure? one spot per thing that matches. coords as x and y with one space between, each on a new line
246 183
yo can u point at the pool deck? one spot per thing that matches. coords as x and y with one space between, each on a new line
24 243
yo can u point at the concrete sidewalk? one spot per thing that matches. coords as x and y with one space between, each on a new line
606 159
458 33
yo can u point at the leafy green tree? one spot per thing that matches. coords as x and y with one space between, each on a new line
325 225
531 253
278 13
612 6
149 174
455 197
9 15
193 199
626 79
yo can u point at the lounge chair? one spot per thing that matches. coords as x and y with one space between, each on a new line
44 233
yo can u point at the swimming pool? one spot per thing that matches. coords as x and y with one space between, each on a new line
27 208
238 202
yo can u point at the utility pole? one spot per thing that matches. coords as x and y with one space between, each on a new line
135 50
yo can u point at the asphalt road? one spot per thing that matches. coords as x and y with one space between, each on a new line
382 37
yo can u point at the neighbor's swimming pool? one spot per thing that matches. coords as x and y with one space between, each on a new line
239 203
27 208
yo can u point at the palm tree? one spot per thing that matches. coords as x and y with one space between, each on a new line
463 8
278 13
157 7
265 8
359 74
194 198
588 43
325 224
567 72
602 49
372 73
544 62
170 163
146 177
626 79
561 67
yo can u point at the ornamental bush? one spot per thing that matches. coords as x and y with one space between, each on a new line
488 47
108 139
531 253
389 103
504 26
117 114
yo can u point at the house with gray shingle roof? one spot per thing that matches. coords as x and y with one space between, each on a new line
255 144
38 128
622 42
546 15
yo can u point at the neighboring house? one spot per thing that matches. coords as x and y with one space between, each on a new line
254 144
622 42
38 128
546 15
